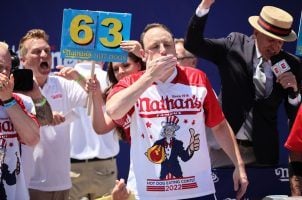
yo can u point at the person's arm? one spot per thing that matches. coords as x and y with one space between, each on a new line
101 122
26 127
195 41
43 111
225 137
42 107
120 103
71 74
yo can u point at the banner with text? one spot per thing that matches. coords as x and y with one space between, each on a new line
94 35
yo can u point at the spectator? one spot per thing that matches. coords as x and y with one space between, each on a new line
102 123
162 109
35 102
50 179
252 113
20 127
93 162
184 57
294 144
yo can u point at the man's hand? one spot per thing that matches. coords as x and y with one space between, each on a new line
132 46
120 192
206 4
58 118
240 181
93 85
67 72
194 141
6 87
288 80
158 68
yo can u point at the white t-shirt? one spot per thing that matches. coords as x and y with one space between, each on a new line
12 181
52 153
160 123
27 151
85 143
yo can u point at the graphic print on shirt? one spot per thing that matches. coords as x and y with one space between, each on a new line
167 152
8 173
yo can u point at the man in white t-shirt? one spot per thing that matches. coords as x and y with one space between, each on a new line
50 179
167 108
17 126
93 163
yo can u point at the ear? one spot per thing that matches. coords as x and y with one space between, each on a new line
143 54
255 33
22 61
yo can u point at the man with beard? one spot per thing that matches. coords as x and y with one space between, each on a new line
50 179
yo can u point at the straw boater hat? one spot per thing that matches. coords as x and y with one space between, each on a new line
275 23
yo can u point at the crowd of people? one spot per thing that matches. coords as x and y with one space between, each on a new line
159 102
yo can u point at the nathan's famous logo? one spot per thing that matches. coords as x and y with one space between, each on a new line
179 103
6 126
168 150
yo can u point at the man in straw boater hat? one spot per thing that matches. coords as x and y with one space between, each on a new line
251 93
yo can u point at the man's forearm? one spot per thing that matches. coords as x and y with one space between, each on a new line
120 103
43 111
226 139
26 127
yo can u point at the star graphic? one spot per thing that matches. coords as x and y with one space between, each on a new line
185 121
148 124
193 122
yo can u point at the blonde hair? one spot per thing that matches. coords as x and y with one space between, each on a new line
31 34
4 45
179 40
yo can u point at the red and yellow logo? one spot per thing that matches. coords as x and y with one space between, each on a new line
156 154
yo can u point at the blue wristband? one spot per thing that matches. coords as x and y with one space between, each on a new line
9 103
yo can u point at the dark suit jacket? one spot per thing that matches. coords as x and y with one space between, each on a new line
171 164
233 56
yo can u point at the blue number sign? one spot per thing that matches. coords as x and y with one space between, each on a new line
94 35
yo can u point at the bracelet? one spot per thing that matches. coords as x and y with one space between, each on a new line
9 103
8 100
41 103
80 78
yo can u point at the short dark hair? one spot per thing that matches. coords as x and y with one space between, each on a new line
153 25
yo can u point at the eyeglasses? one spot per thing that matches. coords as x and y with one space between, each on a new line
185 57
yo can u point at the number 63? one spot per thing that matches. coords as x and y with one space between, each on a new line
82 34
